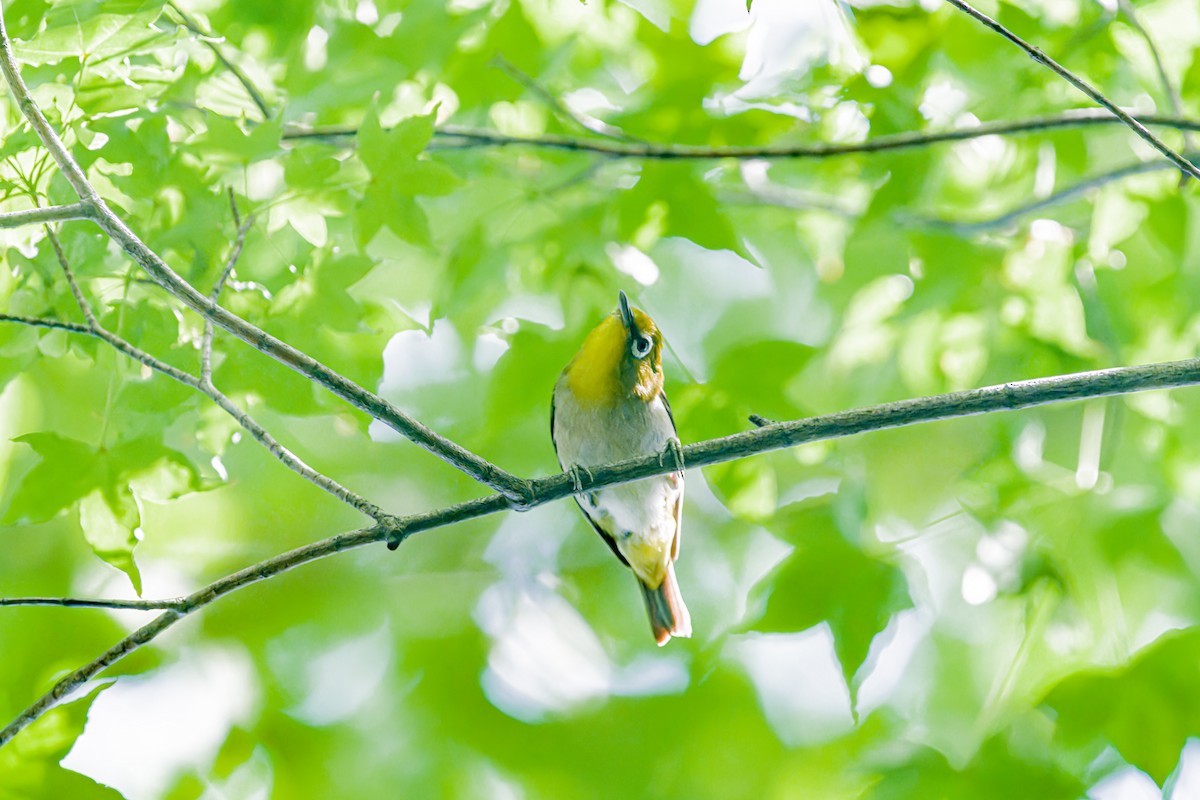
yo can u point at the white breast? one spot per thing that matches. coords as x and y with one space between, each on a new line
641 516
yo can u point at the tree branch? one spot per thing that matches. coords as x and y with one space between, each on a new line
186 606
84 306
454 137
260 434
1062 195
771 436
206 340
211 41
79 602
515 489
585 121
44 322
1169 88
39 216
1187 167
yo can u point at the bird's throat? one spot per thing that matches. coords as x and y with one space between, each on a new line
594 375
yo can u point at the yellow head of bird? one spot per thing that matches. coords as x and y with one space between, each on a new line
620 360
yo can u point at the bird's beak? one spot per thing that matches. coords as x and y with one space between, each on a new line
626 313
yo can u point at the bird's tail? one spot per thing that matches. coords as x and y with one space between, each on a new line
668 615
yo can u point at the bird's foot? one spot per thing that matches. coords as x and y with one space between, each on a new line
673 451
576 473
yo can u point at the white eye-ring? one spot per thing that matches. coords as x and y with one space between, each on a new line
640 346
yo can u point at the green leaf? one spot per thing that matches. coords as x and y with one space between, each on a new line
71 472
671 199
29 765
227 137
110 521
826 579
412 134
19 141
68 470
372 142
997 772
1147 709
380 149
101 37
397 176
425 178
385 205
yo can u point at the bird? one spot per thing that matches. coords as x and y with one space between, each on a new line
609 406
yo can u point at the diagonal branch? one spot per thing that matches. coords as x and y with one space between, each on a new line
84 306
238 243
1174 99
211 41
455 137
183 608
1187 167
512 487
1061 196
770 436
260 434
1169 89
206 340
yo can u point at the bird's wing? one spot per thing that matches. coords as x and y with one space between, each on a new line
670 414
678 523
553 441
608 540
678 511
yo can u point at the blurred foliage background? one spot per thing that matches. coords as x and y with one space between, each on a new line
1001 606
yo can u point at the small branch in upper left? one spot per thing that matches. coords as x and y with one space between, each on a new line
260 434
42 216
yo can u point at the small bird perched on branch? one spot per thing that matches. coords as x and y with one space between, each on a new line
609 406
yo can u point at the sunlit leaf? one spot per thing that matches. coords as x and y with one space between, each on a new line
826 579
1147 709
29 767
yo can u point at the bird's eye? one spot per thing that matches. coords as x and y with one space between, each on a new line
640 346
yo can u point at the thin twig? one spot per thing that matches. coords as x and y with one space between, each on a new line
1169 88
1037 55
44 322
1062 195
206 340
80 602
40 216
243 227
84 306
587 122
515 489
772 436
260 434
785 197
456 137
233 209
211 41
